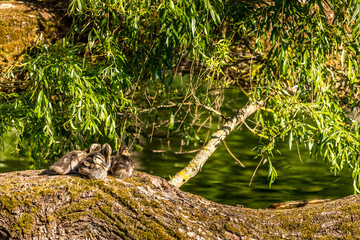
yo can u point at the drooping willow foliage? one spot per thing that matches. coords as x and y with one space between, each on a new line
115 76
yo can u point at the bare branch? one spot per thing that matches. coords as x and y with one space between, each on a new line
201 157
233 156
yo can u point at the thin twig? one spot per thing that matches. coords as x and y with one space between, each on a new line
231 154
143 110
187 152
202 124
253 175
210 108
297 146
167 151
135 137
152 131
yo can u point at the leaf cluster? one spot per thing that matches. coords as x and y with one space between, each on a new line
111 76
311 76
131 68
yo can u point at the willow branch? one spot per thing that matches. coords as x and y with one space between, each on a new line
201 157
233 156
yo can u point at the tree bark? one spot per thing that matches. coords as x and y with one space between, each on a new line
203 155
34 205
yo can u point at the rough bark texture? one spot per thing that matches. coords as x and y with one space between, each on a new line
25 23
201 157
34 205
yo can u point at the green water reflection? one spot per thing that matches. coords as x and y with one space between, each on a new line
223 180
10 159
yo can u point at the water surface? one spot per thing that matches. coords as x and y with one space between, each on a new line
225 181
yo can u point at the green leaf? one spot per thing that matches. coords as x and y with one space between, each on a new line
207 5
342 58
193 25
172 5
356 12
172 122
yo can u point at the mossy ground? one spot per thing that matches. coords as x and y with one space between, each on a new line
147 207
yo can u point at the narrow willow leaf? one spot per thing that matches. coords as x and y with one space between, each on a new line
40 97
342 58
112 130
79 116
272 174
172 122
172 5
72 125
193 26
207 5
356 12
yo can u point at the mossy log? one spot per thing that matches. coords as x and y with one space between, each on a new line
35 205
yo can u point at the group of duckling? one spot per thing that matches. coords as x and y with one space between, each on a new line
96 163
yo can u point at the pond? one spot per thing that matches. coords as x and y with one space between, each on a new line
223 180
10 160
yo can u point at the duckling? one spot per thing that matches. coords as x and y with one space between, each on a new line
96 164
70 161
122 165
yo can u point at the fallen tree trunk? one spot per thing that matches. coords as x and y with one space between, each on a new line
34 205
196 164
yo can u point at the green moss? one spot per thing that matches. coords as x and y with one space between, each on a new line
26 221
9 202
106 209
47 192
133 214
156 204
74 210
26 202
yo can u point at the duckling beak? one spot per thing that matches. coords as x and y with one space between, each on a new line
126 152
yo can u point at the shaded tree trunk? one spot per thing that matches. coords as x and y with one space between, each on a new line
34 205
